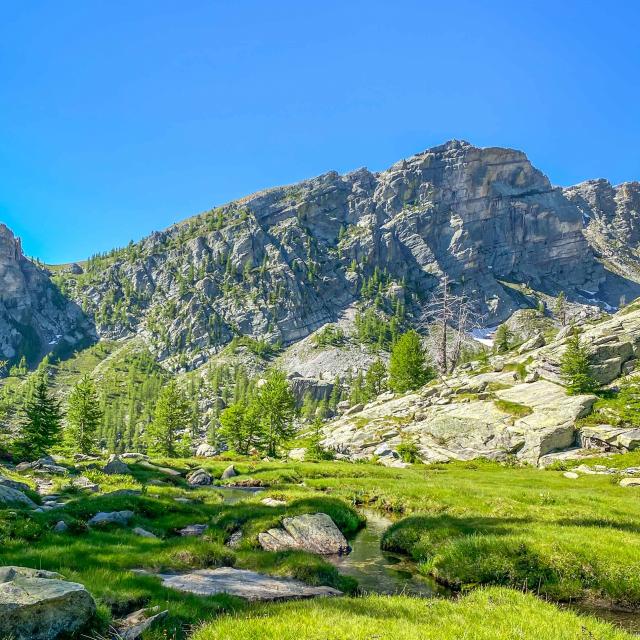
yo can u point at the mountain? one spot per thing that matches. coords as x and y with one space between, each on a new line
281 263
35 318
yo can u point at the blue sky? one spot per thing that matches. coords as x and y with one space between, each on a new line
118 118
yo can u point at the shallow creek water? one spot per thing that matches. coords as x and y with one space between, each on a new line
378 571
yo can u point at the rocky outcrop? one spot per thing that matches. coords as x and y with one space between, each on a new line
611 215
316 533
10 496
39 605
35 317
244 584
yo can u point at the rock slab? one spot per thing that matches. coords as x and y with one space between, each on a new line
244 584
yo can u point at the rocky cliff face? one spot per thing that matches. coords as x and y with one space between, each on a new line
283 262
35 318
611 216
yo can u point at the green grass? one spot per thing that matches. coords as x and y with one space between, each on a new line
488 614
514 408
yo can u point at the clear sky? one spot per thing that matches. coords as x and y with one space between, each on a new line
121 117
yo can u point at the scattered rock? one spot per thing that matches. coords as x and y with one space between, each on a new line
136 623
9 496
206 451
244 584
235 539
61 526
199 478
114 517
13 484
166 470
193 530
630 482
134 456
84 483
143 533
316 533
571 475
229 472
297 454
39 605
116 466
534 343
272 502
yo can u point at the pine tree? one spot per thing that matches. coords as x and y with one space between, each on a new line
407 367
277 406
84 416
41 429
575 367
171 415
560 308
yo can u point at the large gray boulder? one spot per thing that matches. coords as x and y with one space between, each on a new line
9 496
199 478
39 605
13 484
316 533
244 584
116 466
205 450
229 472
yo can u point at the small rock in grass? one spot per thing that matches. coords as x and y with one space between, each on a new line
193 530
571 475
235 539
630 482
206 451
136 623
113 517
272 502
183 500
83 482
143 533
60 527
229 472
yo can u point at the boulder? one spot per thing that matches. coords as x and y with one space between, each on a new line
61 526
297 454
199 478
229 472
244 584
534 343
9 496
206 451
114 517
316 533
571 475
116 466
143 533
13 484
630 482
39 605
168 471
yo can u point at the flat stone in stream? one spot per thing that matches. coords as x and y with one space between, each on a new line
244 584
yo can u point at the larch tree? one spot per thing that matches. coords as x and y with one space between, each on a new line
172 415
84 416
408 367
277 406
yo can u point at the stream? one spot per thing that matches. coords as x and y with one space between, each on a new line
378 571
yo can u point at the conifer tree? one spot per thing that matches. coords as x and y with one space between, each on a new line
375 379
241 428
408 369
41 428
84 416
503 339
277 406
171 416
575 367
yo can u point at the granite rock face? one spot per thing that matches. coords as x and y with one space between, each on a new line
279 264
35 317
611 215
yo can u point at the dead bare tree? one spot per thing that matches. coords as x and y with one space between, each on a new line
452 316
